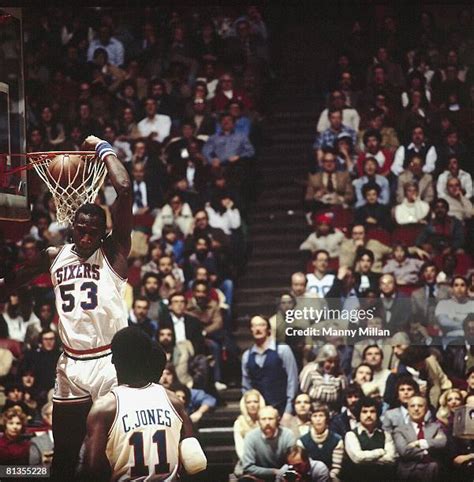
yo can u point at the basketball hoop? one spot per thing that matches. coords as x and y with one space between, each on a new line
82 186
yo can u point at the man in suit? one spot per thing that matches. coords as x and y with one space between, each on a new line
328 187
425 298
42 446
418 442
145 199
396 310
459 357
184 327
405 389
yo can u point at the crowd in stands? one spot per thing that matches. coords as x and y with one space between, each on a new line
179 95
388 198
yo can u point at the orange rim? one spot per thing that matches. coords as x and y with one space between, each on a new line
38 157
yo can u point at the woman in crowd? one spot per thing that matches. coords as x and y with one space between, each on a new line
223 214
323 444
14 449
176 212
412 209
322 379
54 130
250 404
448 402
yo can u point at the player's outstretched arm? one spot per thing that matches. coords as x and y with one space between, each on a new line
122 207
38 265
191 455
96 465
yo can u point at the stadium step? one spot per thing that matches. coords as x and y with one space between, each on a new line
277 225
220 436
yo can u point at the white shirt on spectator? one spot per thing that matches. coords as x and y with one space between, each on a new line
142 188
407 213
387 454
464 178
161 124
430 160
114 50
331 243
319 286
350 118
123 150
460 208
179 328
17 326
184 220
227 221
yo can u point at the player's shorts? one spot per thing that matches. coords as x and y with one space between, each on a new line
82 380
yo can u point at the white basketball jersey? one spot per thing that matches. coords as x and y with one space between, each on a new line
144 438
89 299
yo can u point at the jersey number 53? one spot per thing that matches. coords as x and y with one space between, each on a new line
88 298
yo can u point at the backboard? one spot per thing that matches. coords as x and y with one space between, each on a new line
13 189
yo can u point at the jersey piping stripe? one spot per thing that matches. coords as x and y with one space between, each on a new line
87 352
86 358
87 398
116 413
51 266
110 266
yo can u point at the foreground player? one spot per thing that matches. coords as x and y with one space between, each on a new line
139 430
89 279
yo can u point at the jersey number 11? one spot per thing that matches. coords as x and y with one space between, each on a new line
140 469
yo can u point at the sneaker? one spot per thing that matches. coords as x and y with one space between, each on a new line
220 386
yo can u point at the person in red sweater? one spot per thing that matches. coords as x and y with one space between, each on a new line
227 93
14 449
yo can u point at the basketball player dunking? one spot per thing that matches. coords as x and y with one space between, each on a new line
139 431
89 277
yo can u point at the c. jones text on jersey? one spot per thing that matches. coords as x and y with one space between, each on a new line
75 271
143 418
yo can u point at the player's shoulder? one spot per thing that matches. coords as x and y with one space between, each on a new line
103 410
105 404
53 251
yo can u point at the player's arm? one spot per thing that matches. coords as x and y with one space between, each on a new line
191 455
38 265
100 419
122 207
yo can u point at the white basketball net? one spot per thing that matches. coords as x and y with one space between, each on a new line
83 185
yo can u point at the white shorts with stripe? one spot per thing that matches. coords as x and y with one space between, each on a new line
83 379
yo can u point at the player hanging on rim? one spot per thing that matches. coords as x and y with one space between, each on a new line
89 277
140 431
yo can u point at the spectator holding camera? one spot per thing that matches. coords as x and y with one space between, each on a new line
265 447
301 468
